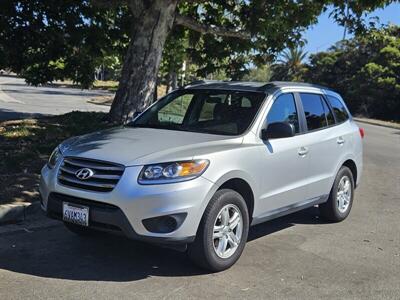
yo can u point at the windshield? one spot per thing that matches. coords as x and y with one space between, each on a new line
216 112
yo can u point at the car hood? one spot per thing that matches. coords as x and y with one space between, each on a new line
137 146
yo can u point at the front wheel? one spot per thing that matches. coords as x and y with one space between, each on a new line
340 201
222 233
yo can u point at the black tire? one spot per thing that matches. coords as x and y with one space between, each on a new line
80 230
330 210
201 251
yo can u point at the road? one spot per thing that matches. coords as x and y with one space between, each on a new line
295 257
18 100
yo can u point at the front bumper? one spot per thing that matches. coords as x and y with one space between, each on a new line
123 210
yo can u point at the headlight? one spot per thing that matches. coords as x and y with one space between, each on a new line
172 172
54 157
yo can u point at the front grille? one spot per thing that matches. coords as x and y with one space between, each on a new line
57 199
105 178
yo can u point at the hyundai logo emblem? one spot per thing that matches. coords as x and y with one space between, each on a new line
84 173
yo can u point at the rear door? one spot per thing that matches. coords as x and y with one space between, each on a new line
325 142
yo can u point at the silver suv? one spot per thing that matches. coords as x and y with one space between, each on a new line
207 161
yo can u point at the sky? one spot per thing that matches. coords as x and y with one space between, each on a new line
326 32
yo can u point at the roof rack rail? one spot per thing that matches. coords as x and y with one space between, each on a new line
200 81
292 83
266 86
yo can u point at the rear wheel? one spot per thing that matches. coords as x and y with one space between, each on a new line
222 233
340 201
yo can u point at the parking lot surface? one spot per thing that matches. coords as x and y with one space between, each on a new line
19 100
294 257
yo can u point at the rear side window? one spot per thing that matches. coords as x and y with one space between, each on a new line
284 110
314 111
339 109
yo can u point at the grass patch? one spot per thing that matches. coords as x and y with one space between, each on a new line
108 85
26 144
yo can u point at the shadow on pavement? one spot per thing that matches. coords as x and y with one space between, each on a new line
57 253
308 216
49 90
8 114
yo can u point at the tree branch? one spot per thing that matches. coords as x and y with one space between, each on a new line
206 29
193 1
108 3
136 6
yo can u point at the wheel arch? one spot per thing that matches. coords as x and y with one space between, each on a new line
353 168
242 187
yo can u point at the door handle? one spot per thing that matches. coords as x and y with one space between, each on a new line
302 151
340 140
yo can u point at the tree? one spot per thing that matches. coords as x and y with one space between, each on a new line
68 38
44 41
231 29
290 66
365 70
262 74
293 57
173 58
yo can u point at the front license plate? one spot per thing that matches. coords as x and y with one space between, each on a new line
76 214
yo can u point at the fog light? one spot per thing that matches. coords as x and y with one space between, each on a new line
164 224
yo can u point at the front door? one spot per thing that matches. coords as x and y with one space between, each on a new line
284 161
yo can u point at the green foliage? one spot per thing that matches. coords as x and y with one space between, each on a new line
174 56
261 74
110 68
365 70
290 66
46 40
293 57
274 26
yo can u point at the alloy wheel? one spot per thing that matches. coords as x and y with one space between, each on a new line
343 195
228 229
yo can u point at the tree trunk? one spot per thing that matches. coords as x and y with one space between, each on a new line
155 93
174 81
167 86
139 73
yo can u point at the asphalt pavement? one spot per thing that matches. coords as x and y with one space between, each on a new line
19 100
294 257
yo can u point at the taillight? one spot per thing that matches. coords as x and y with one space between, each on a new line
362 133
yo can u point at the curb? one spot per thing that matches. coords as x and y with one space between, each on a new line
12 213
387 125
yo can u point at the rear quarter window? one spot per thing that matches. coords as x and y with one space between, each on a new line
339 109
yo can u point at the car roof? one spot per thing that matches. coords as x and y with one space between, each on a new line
250 86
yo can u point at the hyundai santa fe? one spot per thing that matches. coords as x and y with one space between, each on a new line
200 166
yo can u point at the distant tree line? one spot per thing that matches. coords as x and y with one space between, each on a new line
365 70
144 43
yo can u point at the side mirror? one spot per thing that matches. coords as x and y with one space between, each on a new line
278 130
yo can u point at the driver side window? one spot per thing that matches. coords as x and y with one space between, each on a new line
284 110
